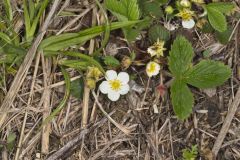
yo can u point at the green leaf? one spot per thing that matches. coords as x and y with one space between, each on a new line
123 9
190 154
77 88
111 61
158 32
208 74
8 9
217 19
151 8
131 34
223 37
181 55
182 99
75 64
223 7
55 43
11 140
207 28
162 1
5 37
61 105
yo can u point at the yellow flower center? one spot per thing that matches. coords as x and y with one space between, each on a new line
115 84
185 14
151 68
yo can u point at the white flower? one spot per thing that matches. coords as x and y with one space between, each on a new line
156 49
185 3
187 18
152 69
151 52
188 24
115 84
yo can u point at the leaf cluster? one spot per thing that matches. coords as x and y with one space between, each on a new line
190 154
205 74
216 14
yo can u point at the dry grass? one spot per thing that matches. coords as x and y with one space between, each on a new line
81 131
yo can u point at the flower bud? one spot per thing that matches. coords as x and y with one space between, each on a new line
91 83
185 3
94 72
169 10
126 62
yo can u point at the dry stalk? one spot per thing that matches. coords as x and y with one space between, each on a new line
23 69
119 126
86 89
28 105
46 65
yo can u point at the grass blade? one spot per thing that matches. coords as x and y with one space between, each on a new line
8 8
64 100
39 14
26 19
55 43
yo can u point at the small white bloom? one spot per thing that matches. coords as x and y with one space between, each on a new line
185 3
152 69
188 23
115 84
152 52
156 49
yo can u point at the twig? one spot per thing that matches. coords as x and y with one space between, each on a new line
61 83
227 123
86 89
119 126
170 137
85 106
74 143
28 104
233 108
145 94
46 104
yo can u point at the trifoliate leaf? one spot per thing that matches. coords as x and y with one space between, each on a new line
182 99
111 61
125 10
181 55
158 32
217 19
224 7
208 74
77 88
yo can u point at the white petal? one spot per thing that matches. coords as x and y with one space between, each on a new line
151 52
113 96
123 77
156 69
124 89
188 24
111 74
104 87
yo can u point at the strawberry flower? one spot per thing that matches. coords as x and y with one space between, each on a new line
115 84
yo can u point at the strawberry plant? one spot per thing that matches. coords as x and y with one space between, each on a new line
205 74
